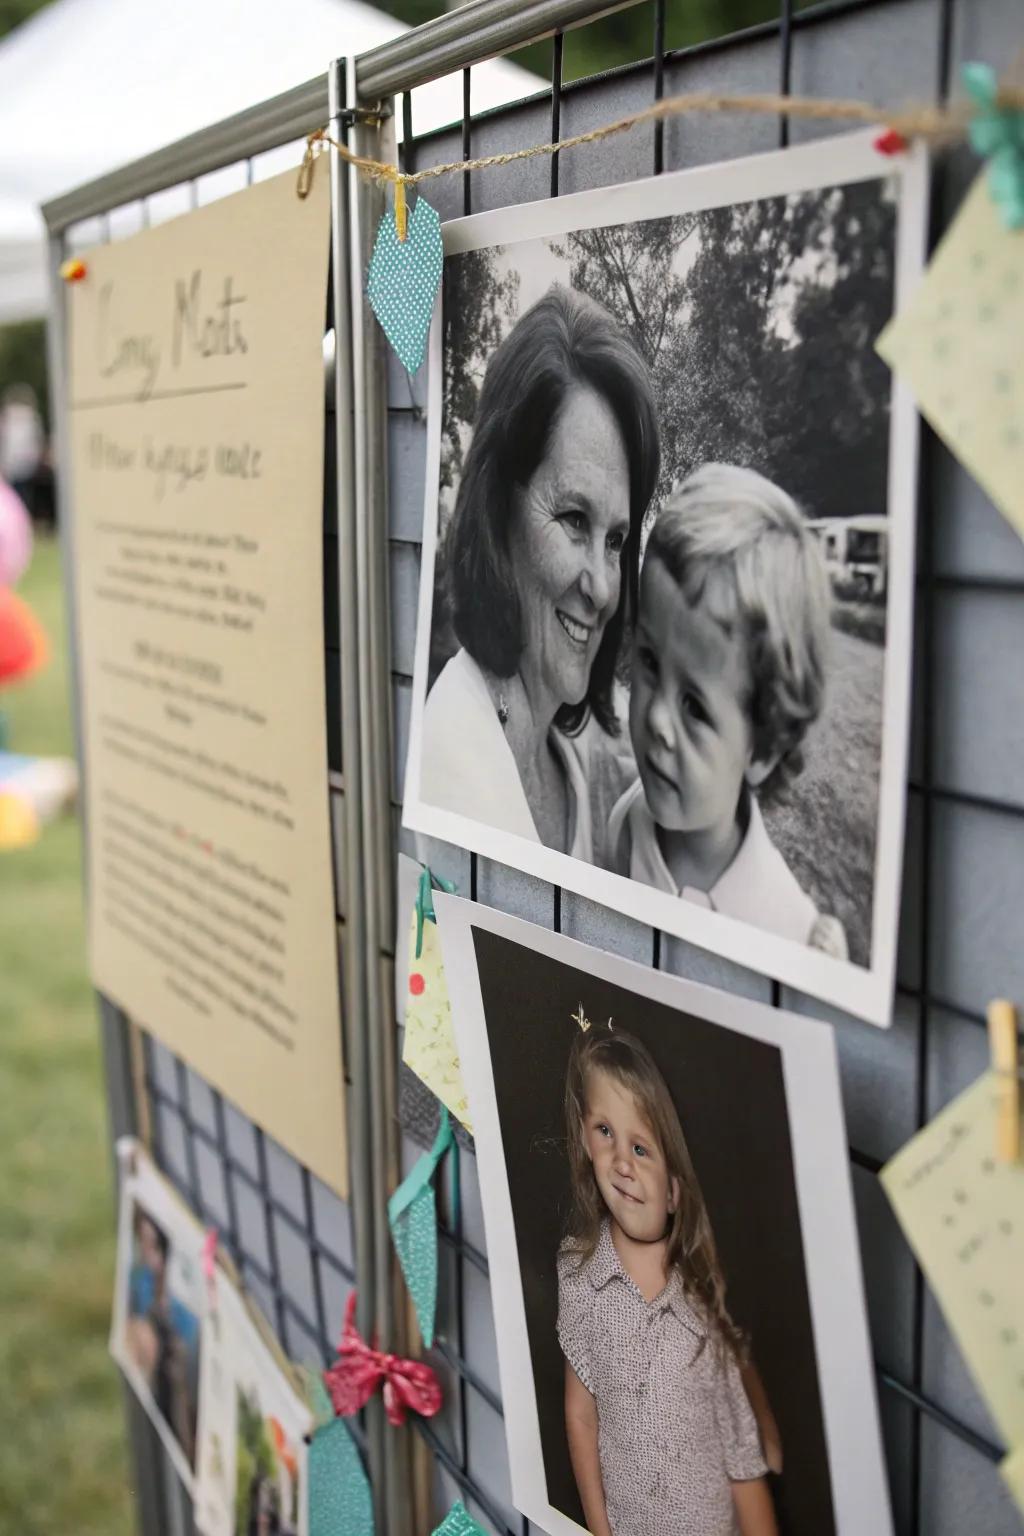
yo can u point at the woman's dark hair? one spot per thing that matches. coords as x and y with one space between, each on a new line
143 1218
565 339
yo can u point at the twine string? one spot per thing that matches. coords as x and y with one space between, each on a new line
935 125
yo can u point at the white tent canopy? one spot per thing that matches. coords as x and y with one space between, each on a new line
88 85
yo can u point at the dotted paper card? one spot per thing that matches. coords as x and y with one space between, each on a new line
959 345
429 1048
1012 1470
963 1215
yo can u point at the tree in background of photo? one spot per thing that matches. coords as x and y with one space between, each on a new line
256 1464
762 348
480 306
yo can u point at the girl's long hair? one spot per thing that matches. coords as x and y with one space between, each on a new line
691 1247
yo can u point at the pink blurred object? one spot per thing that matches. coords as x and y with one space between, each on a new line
210 1255
15 536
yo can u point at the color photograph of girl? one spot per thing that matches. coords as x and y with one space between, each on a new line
660 1385
161 1334
671 1243
663 630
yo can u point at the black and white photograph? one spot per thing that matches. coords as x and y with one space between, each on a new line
663 645
683 1346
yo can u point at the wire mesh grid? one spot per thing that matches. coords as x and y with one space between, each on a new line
292 1239
937 1023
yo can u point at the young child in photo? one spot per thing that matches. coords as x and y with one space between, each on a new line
662 1436
728 674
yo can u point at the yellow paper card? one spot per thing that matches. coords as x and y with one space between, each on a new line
429 1049
963 1215
958 345
1011 1469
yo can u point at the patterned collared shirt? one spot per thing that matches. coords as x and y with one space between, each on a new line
674 1424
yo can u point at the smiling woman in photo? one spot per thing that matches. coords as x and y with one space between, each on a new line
543 554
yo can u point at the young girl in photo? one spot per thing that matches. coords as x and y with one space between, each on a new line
662 1436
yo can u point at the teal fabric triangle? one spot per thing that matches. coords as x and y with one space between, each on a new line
340 1502
403 279
459 1522
412 1214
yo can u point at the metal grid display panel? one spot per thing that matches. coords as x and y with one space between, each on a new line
290 1237
963 884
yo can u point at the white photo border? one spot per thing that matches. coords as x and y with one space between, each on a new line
242 1348
142 1184
821 1167
864 991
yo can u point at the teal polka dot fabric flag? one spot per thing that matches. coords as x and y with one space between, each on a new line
459 1522
340 1503
403 279
412 1213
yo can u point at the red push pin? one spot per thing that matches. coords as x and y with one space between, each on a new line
891 143
417 983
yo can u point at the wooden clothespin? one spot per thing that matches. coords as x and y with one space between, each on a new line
1002 1035
401 210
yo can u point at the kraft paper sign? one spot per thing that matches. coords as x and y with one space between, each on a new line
963 1214
958 345
197 422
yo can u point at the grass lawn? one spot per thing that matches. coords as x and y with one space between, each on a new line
63 1466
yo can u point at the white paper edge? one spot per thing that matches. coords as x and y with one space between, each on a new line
864 991
824 1195
286 1402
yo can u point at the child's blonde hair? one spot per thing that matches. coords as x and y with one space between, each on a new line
729 535
690 1241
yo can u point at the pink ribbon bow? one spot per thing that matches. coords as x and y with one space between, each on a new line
359 1368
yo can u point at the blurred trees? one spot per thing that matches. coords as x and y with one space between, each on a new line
482 305
23 360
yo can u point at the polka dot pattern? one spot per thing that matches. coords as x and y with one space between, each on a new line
339 1490
957 343
459 1522
414 1234
403 279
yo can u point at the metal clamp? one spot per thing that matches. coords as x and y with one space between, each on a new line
352 117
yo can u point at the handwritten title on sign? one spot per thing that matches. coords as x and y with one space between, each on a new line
198 330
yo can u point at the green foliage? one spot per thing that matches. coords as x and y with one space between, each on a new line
23 359
621 38
14 12
256 1459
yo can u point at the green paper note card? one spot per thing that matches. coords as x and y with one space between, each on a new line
1011 1470
429 1048
963 1215
958 345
